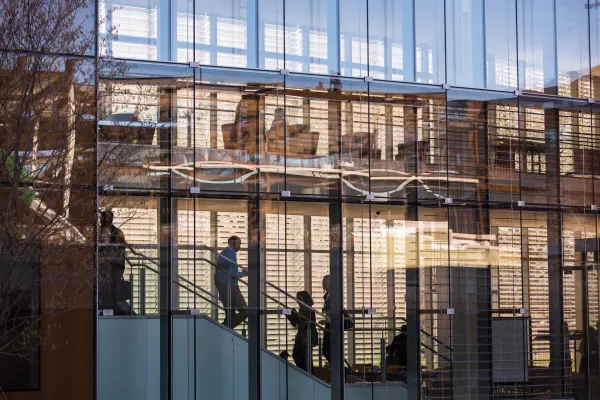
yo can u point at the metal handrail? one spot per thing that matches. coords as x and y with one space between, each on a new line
285 293
179 277
429 335
180 285
215 265
215 303
204 247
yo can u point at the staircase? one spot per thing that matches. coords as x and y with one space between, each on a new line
209 360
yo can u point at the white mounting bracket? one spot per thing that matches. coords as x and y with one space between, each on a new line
194 190
286 193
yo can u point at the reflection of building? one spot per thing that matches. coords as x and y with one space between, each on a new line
322 136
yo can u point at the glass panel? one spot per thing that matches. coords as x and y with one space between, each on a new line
270 34
465 41
537 46
391 40
144 115
594 16
293 283
509 292
536 241
318 117
591 169
358 294
580 298
189 32
358 143
501 44
474 144
129 281
542 127
227 25
404 121
430 41
502 117
471 255
138 23
572 42
576 156
312 136
354 53
436 333
309 30
234 111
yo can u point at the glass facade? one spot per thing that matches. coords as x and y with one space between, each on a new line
329 199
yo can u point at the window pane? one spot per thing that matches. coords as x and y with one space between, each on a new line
465 38
391 40
145 122
187 34
270 34
501 44
595 48
572 48
353 38
309 31
429 41
142 28
228 32
231 119
537 41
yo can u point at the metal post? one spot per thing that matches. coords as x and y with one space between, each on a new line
166 227
383 361
131 294
320 353
309 349
142 291
256 261
338 375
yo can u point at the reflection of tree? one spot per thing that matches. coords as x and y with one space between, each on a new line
47 167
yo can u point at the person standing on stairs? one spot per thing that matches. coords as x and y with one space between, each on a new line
226 281
307 336
114 291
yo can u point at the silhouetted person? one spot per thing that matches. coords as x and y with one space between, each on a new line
397 349
589 353
226 281
307 336
114 291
